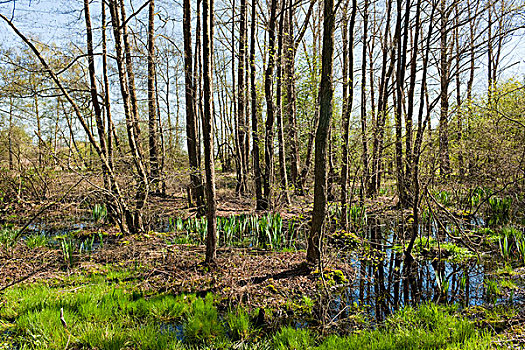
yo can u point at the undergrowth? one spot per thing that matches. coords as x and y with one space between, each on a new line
109 312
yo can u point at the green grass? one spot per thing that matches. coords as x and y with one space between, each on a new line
36 240
98 315
109 312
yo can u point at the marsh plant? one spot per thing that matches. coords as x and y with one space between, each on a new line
36 240
511 243
71 246
358 216
68 246
99 212
266 231
499 211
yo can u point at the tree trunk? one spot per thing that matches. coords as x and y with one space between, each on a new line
444 159
348 97
268 90
207 130
241 105
127 88
364 136
10 134
313 252
109 121
399 97
279 112
153 127
191 124
387 69
260 202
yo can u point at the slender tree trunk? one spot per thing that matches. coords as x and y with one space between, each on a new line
348 97
38 127
153 127
109 121
313 79
260 203
459 103
410 100
364 137
207 130
313 252
241 105
10 134
444 159
289 111
198 79
387 69
279 111
408 258
270 115
191 123
127 87
398 112
96 105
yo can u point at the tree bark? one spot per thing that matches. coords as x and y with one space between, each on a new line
260 203
279 111
207 130
153 127
444 158
313 252
197 188
348 97
270 108
241 105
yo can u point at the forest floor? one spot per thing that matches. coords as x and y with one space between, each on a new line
159 263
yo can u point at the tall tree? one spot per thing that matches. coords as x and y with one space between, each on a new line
153 127
388 47
289 113
197 188
348 96
313 252
260 203
444 75
364 92
270 107
127 88
241 105
207 130
279 111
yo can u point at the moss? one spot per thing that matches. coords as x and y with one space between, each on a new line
331 276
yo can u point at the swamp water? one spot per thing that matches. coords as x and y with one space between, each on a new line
443 271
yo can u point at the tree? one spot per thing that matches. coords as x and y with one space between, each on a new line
313 252
260 202
207 128
270 107
348 95
197 187
241 105
153 127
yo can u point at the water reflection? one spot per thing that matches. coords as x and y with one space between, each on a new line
383 286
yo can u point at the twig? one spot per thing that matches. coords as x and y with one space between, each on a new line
23 278
44 208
